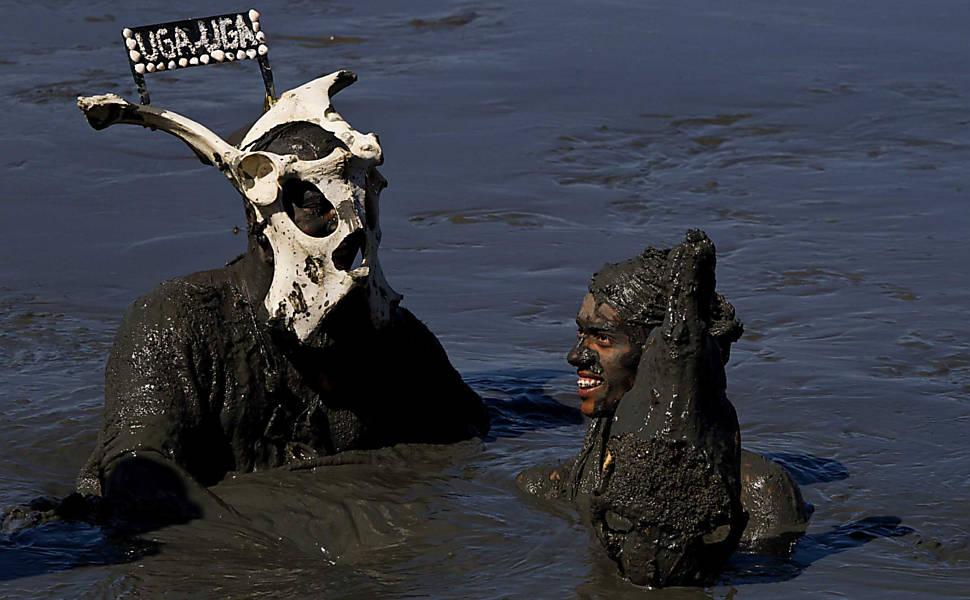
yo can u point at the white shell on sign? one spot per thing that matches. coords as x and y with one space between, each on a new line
140 68
254 15
219 55
204 59
241 54
183 62
251 53
262 50
126 32
131 43
134 56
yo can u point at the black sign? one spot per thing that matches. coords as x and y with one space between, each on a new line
197 42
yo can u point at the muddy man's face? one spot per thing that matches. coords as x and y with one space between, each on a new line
605 357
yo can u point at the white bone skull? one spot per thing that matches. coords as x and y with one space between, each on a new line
307 283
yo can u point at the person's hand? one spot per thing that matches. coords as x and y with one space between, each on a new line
690 291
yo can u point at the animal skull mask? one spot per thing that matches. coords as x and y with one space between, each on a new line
311 274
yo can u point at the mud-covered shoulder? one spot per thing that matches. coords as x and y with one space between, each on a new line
778 514
179 311
173 300
452 410
405 322
155 328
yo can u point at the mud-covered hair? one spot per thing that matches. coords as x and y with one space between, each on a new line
637 290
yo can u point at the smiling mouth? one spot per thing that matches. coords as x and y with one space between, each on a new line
586 382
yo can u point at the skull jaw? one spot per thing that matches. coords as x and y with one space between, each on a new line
300 306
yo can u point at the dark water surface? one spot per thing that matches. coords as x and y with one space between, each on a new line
823 146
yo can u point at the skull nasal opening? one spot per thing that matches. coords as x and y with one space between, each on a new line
308 208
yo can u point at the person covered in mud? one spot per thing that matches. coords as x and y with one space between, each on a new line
661 475
296 350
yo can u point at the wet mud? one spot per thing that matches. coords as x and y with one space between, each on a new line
198 385
512 140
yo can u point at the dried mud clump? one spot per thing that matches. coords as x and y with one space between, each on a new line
665 514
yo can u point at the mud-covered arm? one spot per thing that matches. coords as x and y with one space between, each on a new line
669 509
158 427
777 513
679 390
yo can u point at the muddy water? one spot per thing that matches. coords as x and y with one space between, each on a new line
823 147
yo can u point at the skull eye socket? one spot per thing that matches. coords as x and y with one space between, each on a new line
308 208
257 176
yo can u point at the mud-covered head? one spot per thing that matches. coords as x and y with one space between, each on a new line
626 300
316 196
605 355
311 188
637 290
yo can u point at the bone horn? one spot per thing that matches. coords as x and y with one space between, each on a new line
309 102
312 101
108 109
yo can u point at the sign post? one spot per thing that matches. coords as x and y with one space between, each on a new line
197 42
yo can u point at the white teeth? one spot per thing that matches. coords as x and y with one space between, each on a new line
587 383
